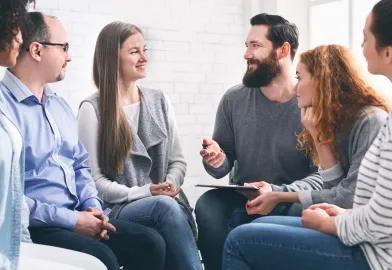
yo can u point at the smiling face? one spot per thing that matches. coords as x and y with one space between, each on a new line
263 65
133 58
305 87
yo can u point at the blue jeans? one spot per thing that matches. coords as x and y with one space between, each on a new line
282 243
218 211
164 214
134 246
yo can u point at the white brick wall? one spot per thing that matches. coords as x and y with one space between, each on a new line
195 50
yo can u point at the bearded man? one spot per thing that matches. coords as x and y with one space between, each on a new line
255 139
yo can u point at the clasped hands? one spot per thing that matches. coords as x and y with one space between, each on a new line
94 224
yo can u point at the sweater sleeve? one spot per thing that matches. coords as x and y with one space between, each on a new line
303 187
224 136
371 222
177 165
340 190
110 191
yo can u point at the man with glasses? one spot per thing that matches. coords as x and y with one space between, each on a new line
65 210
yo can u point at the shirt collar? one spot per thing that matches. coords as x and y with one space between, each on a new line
19 90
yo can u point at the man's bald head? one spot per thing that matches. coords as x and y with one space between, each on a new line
37 29
44 50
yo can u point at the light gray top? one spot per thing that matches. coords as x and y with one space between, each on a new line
339 182
259 139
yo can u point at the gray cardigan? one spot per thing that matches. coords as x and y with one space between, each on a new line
339 182
150 150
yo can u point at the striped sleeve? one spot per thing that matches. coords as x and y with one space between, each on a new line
371 220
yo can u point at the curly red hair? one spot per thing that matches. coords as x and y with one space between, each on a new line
340 94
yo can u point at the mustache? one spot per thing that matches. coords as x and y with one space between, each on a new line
253 61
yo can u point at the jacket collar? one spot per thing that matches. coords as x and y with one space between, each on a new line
150 131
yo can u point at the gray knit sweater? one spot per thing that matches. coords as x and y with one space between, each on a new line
339 182
259 139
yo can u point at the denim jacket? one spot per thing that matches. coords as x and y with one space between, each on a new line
14 212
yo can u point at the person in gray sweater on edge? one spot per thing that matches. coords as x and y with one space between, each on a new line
255 133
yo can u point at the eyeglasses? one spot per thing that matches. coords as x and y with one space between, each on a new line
64 45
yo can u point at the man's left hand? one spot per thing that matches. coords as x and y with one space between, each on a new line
105 221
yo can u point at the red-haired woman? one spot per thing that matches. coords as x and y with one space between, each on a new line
327 236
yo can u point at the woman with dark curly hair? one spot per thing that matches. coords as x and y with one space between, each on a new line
14 212
11 20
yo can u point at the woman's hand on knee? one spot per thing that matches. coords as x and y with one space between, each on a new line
331 209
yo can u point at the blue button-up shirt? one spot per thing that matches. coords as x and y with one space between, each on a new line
58 183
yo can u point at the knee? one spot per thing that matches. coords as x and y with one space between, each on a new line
154 245
166 204
232 245
208 204
204 200
104 254
235 237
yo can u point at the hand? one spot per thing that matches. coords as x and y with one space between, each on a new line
331 209
314 218
308 121
262 205
164 189
212 154
251 194
105 222
88 225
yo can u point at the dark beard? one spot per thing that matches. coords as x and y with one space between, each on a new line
265 72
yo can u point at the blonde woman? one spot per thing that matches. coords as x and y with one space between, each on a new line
135 153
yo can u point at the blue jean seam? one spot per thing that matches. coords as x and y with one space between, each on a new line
229 256
235 245
139 218
290 248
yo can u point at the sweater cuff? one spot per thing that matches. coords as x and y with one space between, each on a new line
332 173
172 181
276 188
305 197
219 172
139 193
